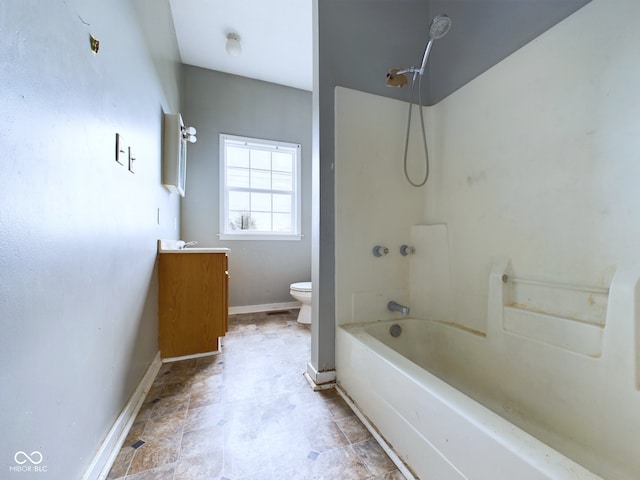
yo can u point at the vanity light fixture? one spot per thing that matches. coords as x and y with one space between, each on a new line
189 134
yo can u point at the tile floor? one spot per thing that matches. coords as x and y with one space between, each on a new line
248 414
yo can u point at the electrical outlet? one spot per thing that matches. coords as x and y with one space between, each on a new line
132 158
122 151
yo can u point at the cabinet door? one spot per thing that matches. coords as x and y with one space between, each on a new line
192 302
226 296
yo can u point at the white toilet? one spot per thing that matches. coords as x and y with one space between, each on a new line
301 291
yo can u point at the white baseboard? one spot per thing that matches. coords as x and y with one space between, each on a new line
110 447
189 357
320 380
375 434
266 307
315 387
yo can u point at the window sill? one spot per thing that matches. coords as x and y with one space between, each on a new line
258 236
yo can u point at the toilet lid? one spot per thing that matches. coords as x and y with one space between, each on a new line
301 286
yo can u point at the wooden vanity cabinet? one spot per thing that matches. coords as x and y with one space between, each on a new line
193 302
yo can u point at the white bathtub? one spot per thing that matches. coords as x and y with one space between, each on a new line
439 432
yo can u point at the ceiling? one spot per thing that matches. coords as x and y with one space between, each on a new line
363 38
276 38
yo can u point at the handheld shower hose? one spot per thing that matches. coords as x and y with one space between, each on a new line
424 134
439 27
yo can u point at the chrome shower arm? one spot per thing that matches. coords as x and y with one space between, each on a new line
413 70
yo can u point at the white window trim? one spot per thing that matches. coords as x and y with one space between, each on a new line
297 204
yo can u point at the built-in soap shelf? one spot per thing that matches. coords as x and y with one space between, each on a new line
569 316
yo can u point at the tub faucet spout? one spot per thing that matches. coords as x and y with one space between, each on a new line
396 307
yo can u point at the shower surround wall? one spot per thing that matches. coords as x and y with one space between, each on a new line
537 159
376 206
534 166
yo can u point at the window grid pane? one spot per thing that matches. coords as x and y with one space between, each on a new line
239 200
282 181
282 162
262 221
237 157
238 177
260 160
281 222
282 203
261 179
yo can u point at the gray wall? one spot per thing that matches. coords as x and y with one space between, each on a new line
215 103
78 301
361 40
356 43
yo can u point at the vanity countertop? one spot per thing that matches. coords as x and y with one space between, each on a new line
177 246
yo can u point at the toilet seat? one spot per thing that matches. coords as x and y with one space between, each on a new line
304 287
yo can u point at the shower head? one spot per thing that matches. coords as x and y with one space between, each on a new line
439 27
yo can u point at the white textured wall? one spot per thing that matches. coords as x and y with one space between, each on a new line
375 204
537 160
78 293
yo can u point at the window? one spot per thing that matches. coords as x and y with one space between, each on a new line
259 188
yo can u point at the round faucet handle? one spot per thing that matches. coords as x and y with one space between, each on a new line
407 250
379 251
